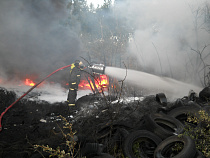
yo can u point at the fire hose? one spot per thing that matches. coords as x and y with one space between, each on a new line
96 68
2 114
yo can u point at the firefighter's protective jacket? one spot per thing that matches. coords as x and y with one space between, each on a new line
75 76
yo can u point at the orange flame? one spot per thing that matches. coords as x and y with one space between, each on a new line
29 82
100 82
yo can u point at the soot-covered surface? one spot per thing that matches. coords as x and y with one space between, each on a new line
37 122
26 123
32 122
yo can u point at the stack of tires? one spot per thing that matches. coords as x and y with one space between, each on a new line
159 138
155 135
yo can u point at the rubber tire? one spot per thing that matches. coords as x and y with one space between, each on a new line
199 154
188 151
206 109
104 155
161 98
132 137
205 94
91 149
119 135
180 111
163 125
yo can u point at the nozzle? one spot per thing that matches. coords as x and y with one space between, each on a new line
97 68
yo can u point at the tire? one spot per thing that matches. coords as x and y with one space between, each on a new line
164 149
113 140
106 129
147 140
182 113
161 98
207 109
119 135
163 125
104 155
205 94
91 149
199 154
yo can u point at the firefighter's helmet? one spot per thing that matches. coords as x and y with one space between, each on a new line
78 63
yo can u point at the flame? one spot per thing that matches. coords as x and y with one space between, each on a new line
29 82
101 82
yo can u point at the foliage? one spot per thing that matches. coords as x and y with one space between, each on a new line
136 150
104 34
177 147
201 133
70 143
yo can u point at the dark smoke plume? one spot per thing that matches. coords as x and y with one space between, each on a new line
33 40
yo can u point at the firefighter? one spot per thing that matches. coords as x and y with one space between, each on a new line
75 76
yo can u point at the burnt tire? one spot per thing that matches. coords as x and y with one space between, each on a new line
140 143
165 148
163 125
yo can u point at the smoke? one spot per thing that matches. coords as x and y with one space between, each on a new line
168 29
35 41
33 38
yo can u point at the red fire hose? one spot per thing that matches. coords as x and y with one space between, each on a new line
2 114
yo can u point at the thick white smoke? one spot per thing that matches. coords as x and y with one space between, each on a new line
168 29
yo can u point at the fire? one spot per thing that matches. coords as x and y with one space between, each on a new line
101 82
29 82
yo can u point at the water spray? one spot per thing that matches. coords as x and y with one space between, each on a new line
151 82
145 80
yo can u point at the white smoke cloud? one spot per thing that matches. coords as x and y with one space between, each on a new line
166 28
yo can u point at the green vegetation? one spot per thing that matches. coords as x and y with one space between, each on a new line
201 133
70 143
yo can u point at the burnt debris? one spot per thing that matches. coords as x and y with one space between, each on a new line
104 126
